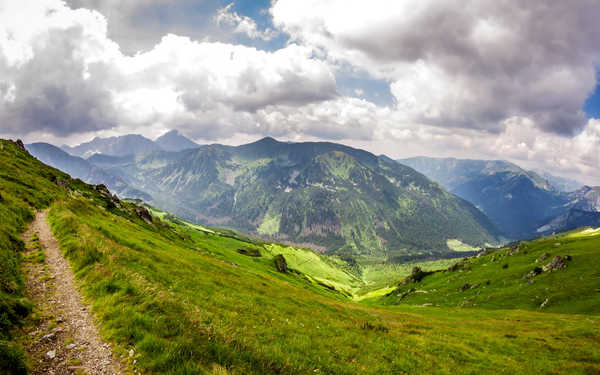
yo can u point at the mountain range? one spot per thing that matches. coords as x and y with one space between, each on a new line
331 197
520 203
324 195
131 144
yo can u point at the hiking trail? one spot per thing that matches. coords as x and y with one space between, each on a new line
66 340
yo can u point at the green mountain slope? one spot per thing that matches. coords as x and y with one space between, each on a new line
517 201
191 300
518 277
323 195
80 168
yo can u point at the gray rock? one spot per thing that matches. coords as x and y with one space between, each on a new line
533 273
49 337
51 354
144 214
70 346
280 263
20 145
103 190
556 263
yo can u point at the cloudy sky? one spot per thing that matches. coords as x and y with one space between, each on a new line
498 79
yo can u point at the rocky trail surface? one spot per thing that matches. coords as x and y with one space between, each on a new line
62 337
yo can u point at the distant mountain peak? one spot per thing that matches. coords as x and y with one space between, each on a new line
267 140
174 141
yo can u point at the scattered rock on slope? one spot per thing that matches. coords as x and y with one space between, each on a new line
416 275
533 273
103 190
250 252
280 263
557 263
143 214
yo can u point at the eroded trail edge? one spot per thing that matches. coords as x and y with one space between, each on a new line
66 340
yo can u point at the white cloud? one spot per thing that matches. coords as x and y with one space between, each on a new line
64 75
226 16
462 63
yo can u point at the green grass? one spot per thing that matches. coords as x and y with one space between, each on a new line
383 276
457 245
191 304
322 269
500 282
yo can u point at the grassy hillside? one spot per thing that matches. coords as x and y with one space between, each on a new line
187 305
25 185
351 279
514 277
189 301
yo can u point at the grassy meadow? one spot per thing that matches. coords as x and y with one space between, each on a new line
188 302
498 280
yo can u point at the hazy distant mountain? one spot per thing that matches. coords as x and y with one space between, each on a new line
322 194
560 183
587 198
517 201
583 209
80 168
115 146
174 141
571 219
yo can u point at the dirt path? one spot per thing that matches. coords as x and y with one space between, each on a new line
64 339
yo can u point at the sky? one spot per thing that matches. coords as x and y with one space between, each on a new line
485 79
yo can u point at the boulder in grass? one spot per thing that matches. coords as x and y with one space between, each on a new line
533 273
280 263
416 275
19 144
250 252
103 190
557 263
143 214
